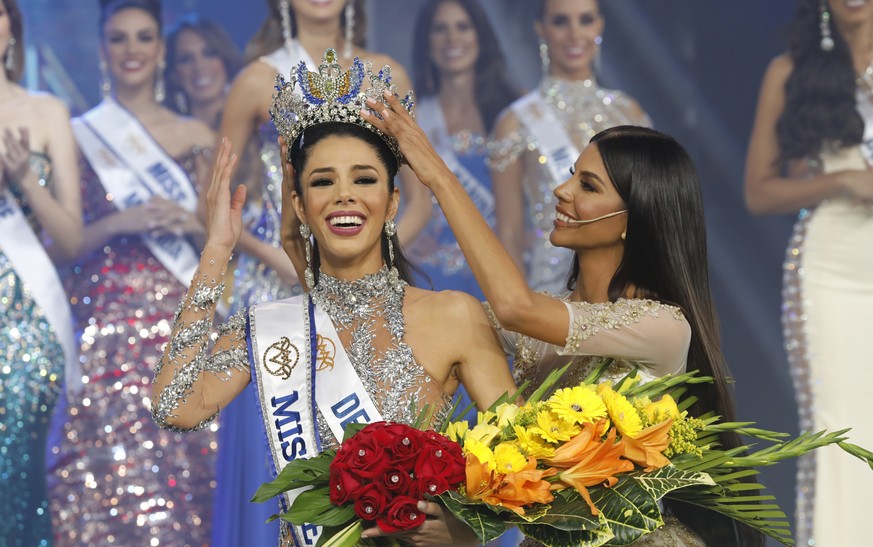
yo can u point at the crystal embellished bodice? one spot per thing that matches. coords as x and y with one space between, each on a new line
368 317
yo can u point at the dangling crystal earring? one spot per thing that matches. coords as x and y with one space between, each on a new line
181 102
160 90
545 61
393 274
10 56
827 42
308 276
597 62
285 13
350 30
105 82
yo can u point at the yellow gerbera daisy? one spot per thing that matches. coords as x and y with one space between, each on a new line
553 429
482 453
577 405
509 459
621 411
532 444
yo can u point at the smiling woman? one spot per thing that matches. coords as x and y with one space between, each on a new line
391 348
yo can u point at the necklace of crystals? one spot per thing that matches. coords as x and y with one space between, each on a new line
368 316
583 105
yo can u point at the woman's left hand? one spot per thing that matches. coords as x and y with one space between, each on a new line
440 528
396 122
16 158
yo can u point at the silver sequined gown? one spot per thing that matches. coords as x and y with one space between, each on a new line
115 478
639 334
584 109
827 296
31 367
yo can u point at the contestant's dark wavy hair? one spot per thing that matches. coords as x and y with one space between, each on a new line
269 38
108 8
300 154
493 89
820 105
665 259
216 38
16 28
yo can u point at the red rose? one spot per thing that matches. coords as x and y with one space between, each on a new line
405 448
367 457
441 457
370 503
401 515
395 480
433 485
344 485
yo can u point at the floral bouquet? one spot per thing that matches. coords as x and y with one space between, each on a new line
586 466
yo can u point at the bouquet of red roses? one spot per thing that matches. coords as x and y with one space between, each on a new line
385 468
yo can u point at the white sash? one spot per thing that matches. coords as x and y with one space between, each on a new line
549 133
280 356
25 251
133 167
430 117
285 59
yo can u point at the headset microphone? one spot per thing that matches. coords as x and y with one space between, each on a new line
610 215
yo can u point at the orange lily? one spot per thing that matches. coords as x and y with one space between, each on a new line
646 449
573 451
480 479
513 490
597 466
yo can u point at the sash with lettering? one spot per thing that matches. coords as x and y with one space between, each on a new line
25 251
430 117
133 167
549 133
298 364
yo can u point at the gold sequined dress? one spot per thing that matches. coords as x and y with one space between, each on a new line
827 295
639 334
114 477
584 109
31 366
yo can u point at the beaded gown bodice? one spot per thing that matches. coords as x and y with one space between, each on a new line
584 109
368 316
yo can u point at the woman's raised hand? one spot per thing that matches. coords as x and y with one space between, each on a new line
223 211
396 122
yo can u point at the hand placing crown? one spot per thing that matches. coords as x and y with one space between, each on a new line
332 95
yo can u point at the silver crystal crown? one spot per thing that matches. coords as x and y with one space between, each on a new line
332 95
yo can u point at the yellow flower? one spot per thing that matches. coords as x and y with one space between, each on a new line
506 413
532 444
553 429
456 430
621 411
481 452
508 458
577 405
661 410
484 433
486 417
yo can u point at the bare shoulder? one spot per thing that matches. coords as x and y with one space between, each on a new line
199 134
507 122
49 106
454 310
778 71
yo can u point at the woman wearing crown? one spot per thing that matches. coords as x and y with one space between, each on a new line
362 345
295 31
114 476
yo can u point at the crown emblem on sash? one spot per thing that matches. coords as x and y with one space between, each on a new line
281 358
326 353
331 95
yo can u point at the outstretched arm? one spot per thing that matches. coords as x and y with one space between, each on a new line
192 383
516 306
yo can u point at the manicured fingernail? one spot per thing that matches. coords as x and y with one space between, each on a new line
422 505
387 94
385 114
223 140
371 100
365 112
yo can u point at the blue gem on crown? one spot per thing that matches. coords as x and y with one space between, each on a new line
332 95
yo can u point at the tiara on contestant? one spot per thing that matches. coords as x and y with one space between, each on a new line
331 95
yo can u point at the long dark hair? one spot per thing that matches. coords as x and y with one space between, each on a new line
16 28
299 154
665 259
493 91
820 104
216 38
269 38
108 8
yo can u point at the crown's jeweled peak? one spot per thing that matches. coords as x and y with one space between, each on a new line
331 95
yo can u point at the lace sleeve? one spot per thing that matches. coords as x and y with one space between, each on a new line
191 382
508 339
505 151
655 335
